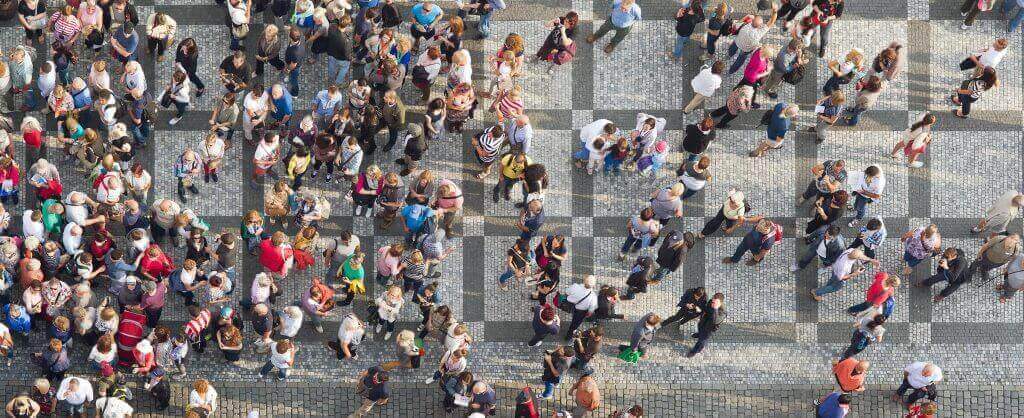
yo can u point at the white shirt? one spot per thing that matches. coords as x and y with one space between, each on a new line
990 57
353 337
290 325
255 104
237 14
281 360
212 151
73 244
74 212
135 81
114 407
47 81
706 83
210 399
109 113
100 80
593 130
918 380
857 181
30 228
749 38
5 333
180 92
844 264
582 298
78 397
98 357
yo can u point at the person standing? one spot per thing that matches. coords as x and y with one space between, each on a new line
583 298
711 319
75 393
921 377
698 138
282 356
586 395
704 85
640 233
555 364
672 253
339 50
643 334
545 322
1000 213
787 60
373 385
870 236
867 188
829 177
687 19
624 14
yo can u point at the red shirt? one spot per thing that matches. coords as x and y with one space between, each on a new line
160 266
878 293
34 139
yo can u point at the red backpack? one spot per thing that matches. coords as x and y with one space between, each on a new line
525 408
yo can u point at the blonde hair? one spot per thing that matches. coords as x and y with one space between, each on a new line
30 123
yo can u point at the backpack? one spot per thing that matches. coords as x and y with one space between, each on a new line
175 281
766 118
419 73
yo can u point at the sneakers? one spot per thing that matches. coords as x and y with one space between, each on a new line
964 26
319 329
378 328
313 175
853 223
174 120
429 380
622 256
330 176
534 344
387 335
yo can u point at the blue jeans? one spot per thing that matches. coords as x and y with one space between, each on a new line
31 98
741 58
740 250
710 41
549 388
293 81
860 307
834 284
860 205
688 193
681 41
485 24
339 68
508 274
1017 18
140 132
632 244
268 366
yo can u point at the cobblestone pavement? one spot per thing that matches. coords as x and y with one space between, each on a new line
772 356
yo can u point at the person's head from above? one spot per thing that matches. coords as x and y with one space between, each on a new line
832 232
839 199
837 97
845 399
535 205
717 300
763 226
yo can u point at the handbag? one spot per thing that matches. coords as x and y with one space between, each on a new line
240 31
629 355
165 98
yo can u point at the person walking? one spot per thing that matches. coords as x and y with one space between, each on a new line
704 85
833 405
583 298
867 188
545 322
1000 213
691 306
555 364
829 177
748 38
920 244
687 19
995 253
374 388
733 214
850 374
918 137
867 329
847 267
782 119
921 377
672 253
586 396
643 334
758 241
882 288
826 248
971 90
740 100
624 14
827 109
698 137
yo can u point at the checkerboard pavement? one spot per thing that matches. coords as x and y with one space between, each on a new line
772 355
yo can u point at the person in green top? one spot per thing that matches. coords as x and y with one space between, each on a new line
53 216
351 275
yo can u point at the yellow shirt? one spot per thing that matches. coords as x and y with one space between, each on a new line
511 169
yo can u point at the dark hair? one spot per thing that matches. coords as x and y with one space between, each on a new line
873 84
872 170
989 77
928 119
845 399
833 230
647 213
874 223
718 67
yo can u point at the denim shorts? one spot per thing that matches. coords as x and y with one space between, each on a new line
911 260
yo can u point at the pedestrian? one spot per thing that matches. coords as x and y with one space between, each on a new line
582 297
850 69
203 397
531 220
740 100
826 248
641 230
545 322
513 170
920 244
53 360
488 144
691 306
882 288
711 319
1000 213
667 203
643 335
833 405
847 267
732 215
586 395
921 377
870 236
389 303
951 268
687 19
850 374
829 177
972 8
827 111
717 23
989 56
672 253
374 388
971 90
624 14
282 357
789 59
76 394
705 84
996 252
919 136
518 263
555 364
758 241
826 211
867 328
783 117
698 137
868 91
926 409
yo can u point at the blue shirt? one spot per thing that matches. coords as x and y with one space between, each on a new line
21 324
129 42
325 104
423 17
830 408
415 215
82 98
283 105
624 19
756 241
779 124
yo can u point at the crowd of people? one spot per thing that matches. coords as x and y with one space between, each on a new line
94 267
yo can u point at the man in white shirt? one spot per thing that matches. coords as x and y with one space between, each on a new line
846 267
76 393
583 297
867 187
749 37
519 133
32 225
922 377
291 321
72 238
704 85
350 334
111 407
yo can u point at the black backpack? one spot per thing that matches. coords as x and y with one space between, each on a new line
794 76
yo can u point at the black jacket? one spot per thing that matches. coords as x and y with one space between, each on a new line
415 147
339 45
672 258
691 297
711 319
695 141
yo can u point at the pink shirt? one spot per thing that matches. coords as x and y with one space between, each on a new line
755 67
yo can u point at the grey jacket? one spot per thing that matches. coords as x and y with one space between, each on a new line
642 336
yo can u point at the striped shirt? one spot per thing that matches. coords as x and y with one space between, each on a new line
412 270
196 326
510 108
65 27
872 239
490 145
